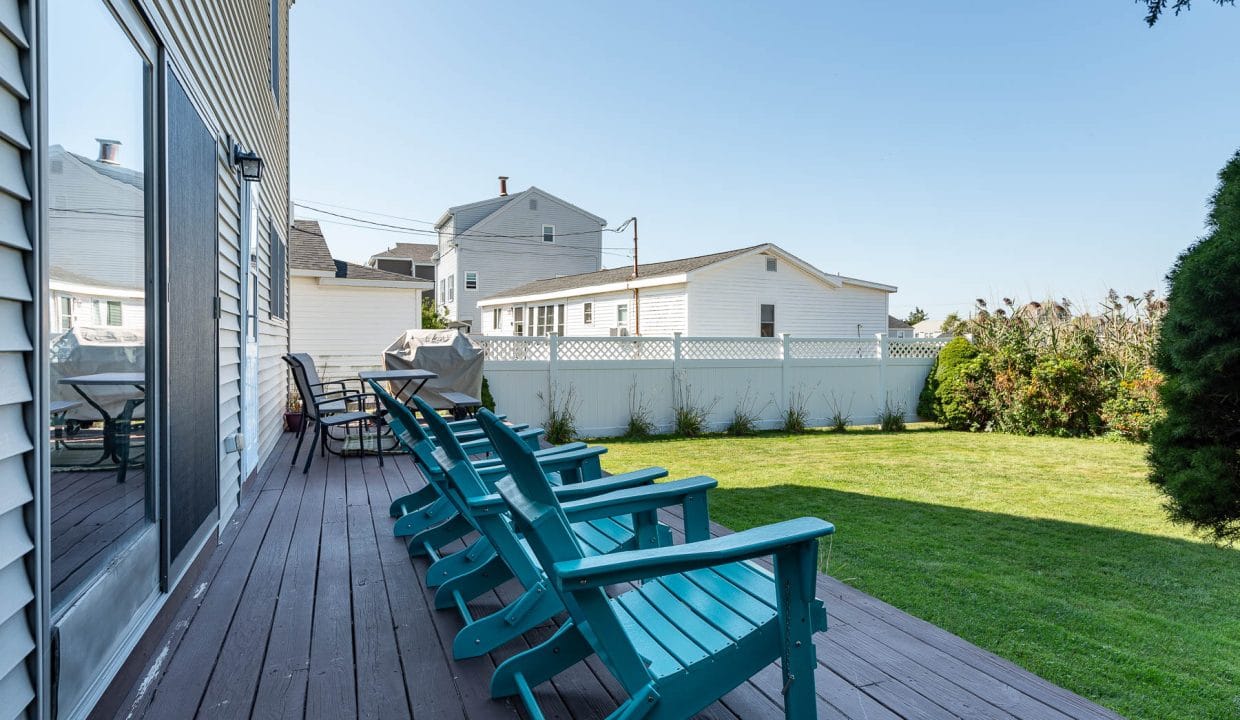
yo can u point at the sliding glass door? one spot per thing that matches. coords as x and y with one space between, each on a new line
102 260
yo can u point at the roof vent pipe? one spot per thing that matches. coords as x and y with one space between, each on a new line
503 186
109 150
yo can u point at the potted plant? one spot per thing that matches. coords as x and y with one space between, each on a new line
292 413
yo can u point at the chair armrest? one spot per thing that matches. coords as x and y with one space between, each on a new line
640 499
469 423
634 565
483 444
610 484
494 503
361 398
491 462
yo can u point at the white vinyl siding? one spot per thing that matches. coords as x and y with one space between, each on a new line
726 300
19 428
346 328
229 79
503 263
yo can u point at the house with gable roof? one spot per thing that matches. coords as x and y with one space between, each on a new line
494 245
757 291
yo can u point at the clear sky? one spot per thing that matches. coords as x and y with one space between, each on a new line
955 149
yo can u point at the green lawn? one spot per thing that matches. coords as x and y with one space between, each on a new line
1052 553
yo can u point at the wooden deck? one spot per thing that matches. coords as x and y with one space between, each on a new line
310 608
91 514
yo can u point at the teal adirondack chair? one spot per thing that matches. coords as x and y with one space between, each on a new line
430 520
426 508
703 620
627 519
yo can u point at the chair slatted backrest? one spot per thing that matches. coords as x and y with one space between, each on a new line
309 401
537 512
451 456
464 478
414 440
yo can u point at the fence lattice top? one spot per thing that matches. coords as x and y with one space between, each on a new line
586 349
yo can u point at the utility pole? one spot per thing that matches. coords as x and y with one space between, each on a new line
635 248
637 308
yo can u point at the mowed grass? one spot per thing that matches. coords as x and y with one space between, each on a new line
1053 553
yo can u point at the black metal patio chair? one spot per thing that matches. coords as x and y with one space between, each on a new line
330 409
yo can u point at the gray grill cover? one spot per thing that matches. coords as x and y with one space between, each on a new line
448 353
86 350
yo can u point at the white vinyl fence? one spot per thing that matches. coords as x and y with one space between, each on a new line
605 378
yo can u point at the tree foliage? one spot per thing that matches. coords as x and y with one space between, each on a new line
431 318
1155 8
1036 369
1195 450
916 316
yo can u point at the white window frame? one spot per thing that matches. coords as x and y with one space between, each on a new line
496 319
451 288
474 279
587 313
64 311
762 322
518 320
545 233
622 315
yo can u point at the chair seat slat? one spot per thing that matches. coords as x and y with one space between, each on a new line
725 619
673 638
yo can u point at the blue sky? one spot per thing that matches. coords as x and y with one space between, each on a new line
957 150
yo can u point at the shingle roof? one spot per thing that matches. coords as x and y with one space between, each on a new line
307 248
418 252
363 272
895 322
620 274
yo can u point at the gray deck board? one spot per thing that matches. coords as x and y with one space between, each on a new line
310 608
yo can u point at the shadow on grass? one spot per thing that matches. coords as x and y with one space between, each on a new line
1143 624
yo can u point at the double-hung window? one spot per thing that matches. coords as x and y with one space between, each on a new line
622 315
471 280
495 319
278 261
548 233
518 321
451 288
587 313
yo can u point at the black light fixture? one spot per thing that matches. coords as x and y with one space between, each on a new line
249 163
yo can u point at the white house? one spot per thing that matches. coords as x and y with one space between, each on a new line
755 291
494 245
412 259
341 313
96 214
929 329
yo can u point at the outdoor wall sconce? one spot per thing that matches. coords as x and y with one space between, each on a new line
250 164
